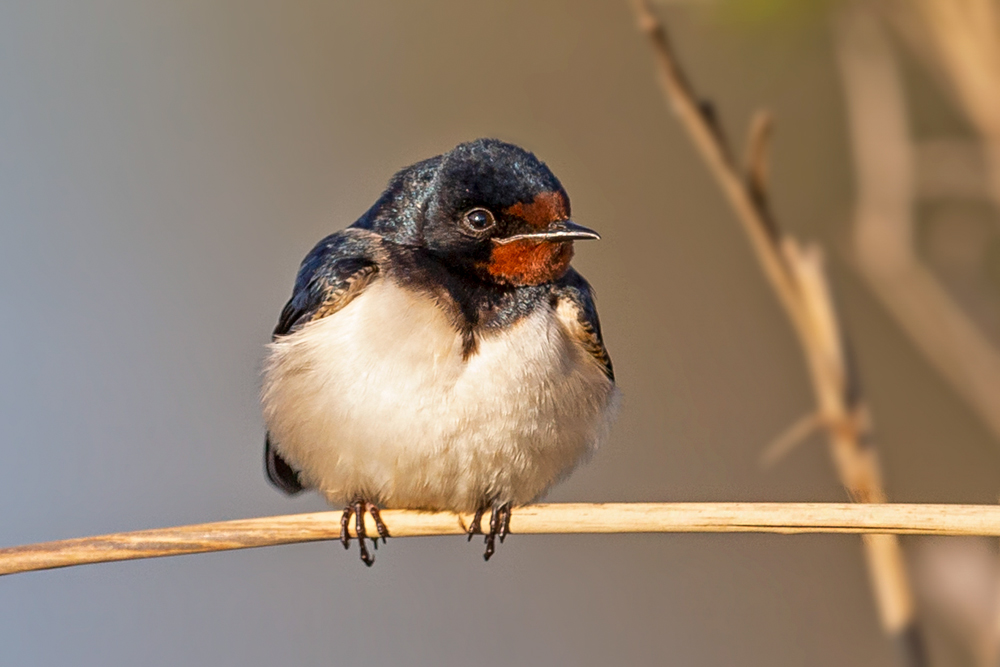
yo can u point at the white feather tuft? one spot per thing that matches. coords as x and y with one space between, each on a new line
376 400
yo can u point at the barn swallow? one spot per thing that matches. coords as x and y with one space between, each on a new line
440 353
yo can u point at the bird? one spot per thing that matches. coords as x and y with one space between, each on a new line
440 353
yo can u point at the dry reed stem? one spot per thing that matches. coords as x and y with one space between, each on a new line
798 277
890 172
571 518
964 35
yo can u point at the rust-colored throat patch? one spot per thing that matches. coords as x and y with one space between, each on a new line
529 262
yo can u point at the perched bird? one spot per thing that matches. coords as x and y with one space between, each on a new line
440 353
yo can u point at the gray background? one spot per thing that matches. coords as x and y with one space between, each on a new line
165 165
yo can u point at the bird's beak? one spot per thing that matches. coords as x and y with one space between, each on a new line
565 230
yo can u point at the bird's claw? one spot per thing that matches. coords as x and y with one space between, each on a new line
358 509
474 528
499 526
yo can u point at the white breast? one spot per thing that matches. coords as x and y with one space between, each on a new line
377 401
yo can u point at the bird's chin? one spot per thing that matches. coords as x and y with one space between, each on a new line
529 262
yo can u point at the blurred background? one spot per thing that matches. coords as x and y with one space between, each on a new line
164 166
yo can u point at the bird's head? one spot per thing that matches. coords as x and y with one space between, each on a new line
497 211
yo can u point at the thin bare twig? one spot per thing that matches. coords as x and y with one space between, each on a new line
699 120
790 438
758 165
798 277
784 518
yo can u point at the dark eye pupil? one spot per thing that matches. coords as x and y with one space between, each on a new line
479 219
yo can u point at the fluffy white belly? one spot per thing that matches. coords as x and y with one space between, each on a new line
376 400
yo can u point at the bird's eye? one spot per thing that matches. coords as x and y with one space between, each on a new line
479 220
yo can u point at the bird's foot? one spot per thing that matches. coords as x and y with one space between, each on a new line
358 508
474 528
499 526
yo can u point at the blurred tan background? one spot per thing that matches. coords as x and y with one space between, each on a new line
164 166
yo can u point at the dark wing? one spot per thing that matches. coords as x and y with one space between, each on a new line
279 473
575 306
332 274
